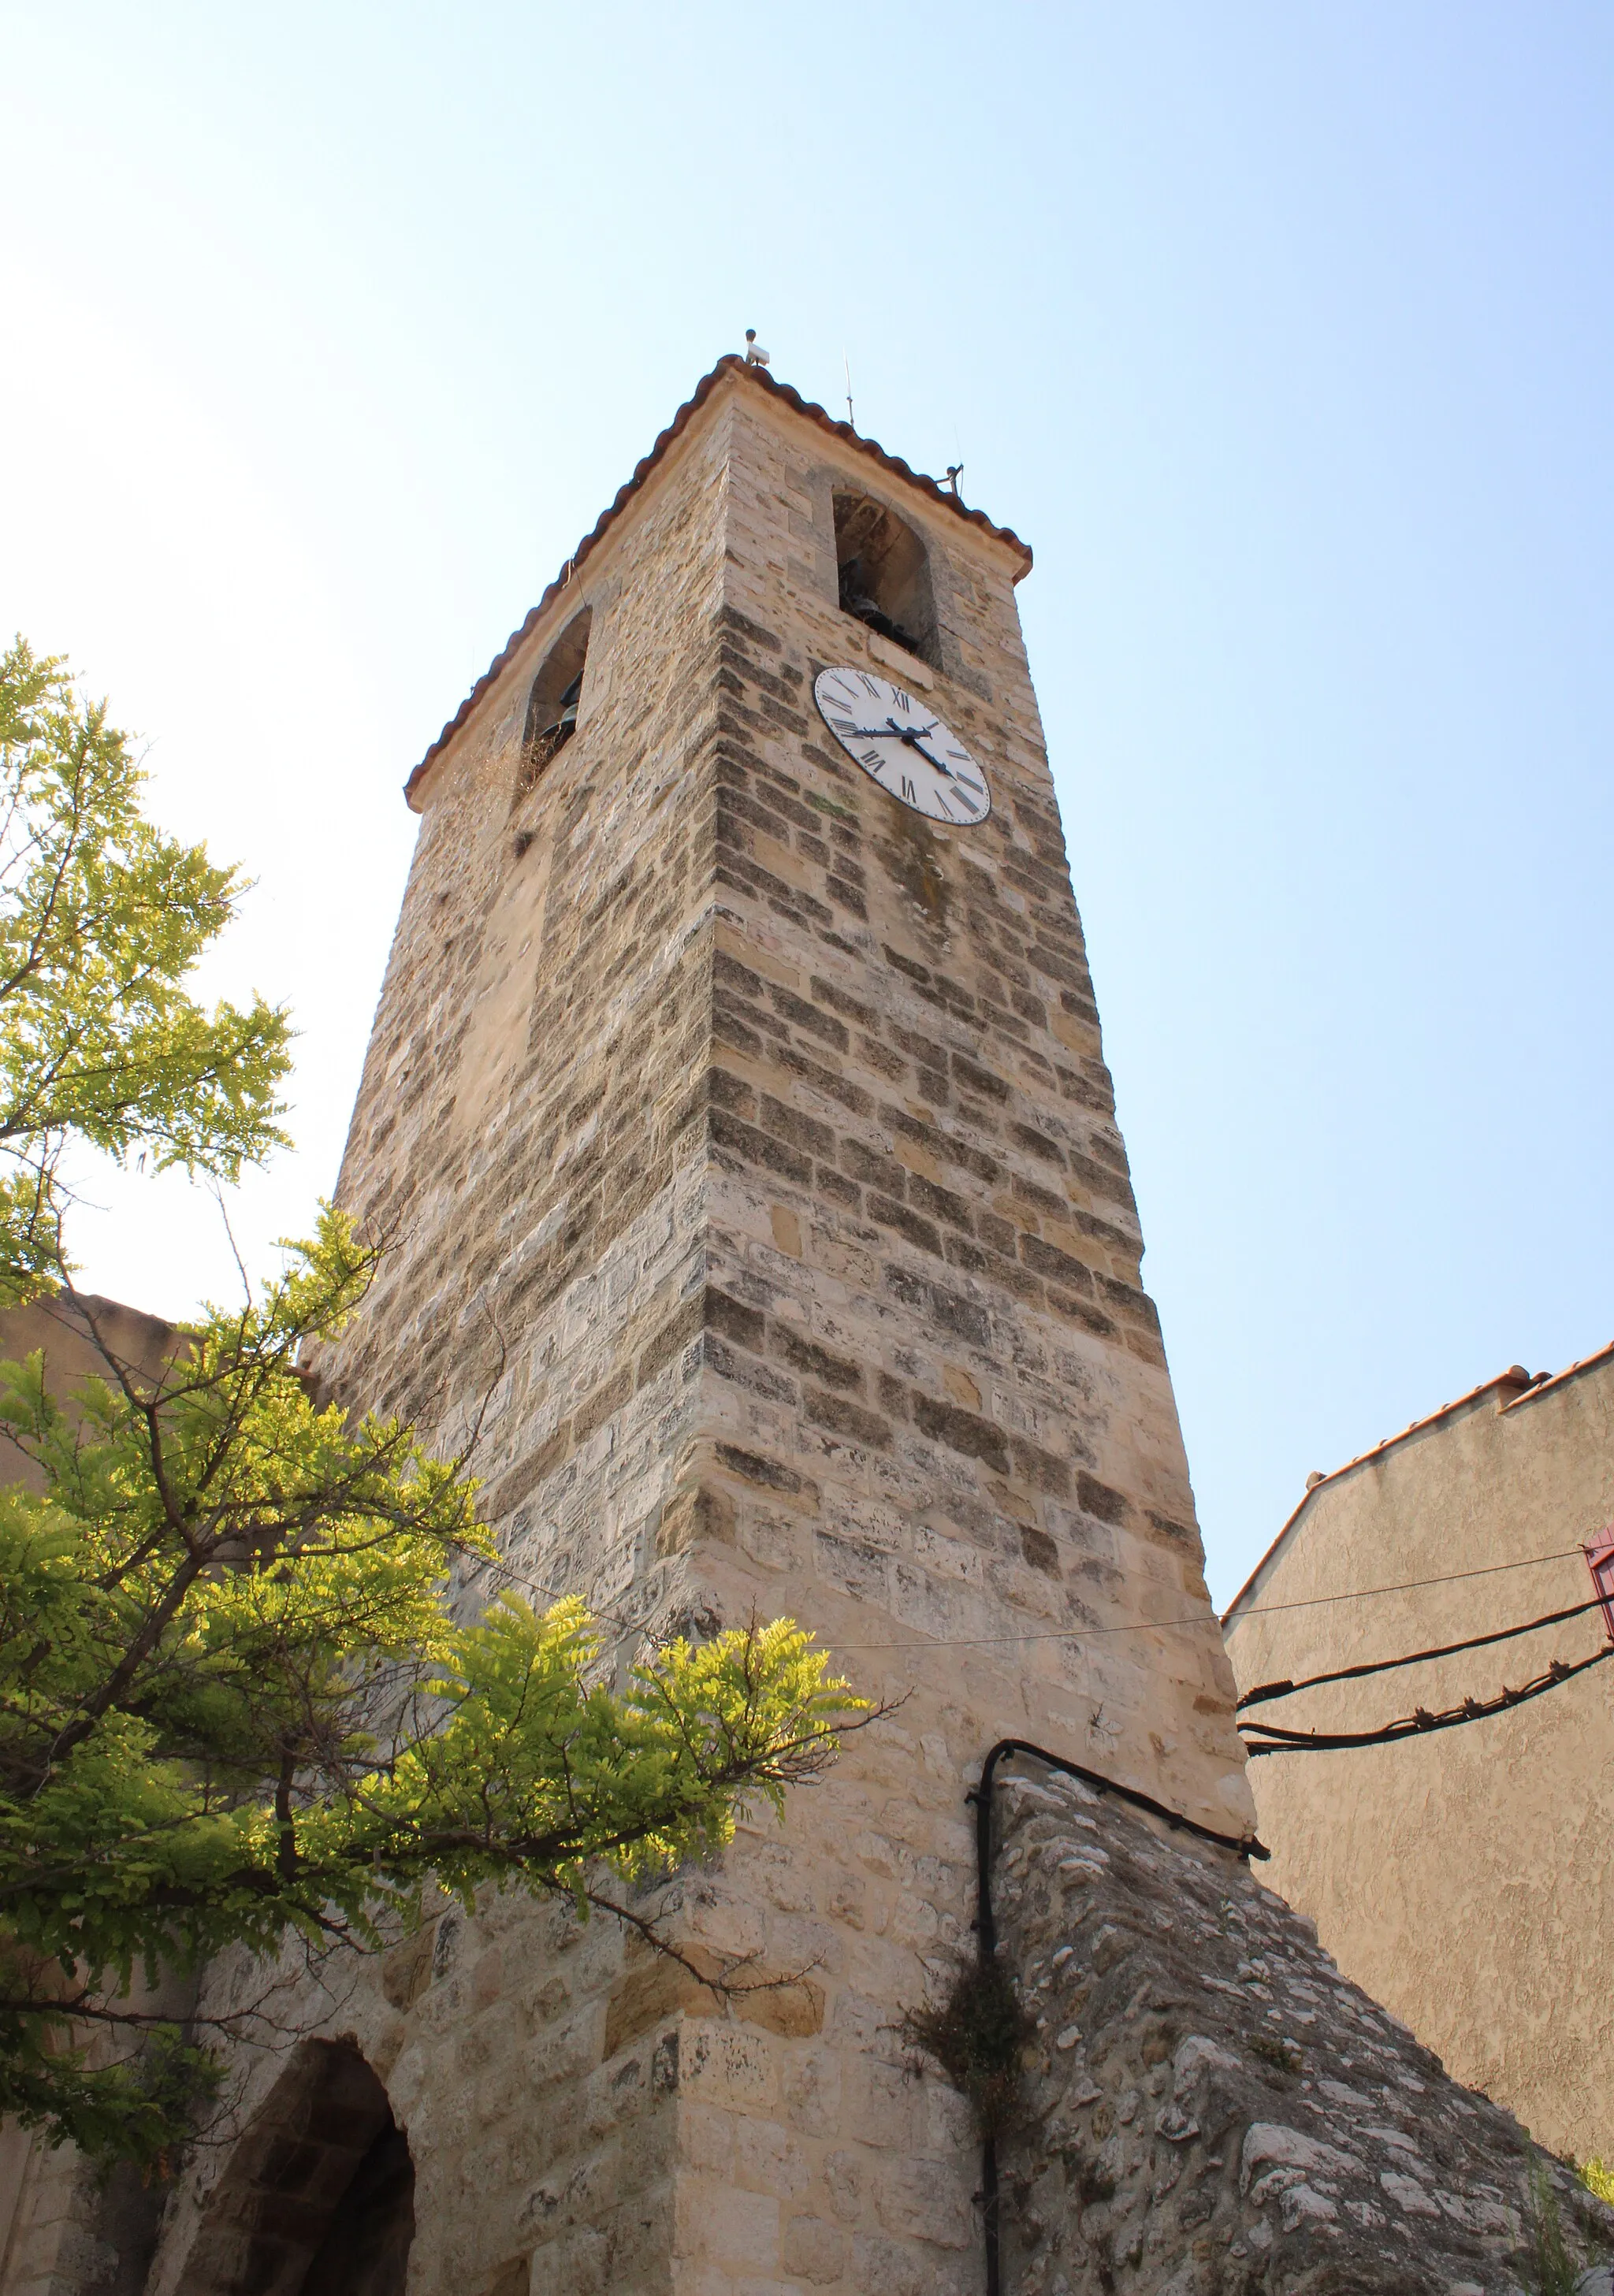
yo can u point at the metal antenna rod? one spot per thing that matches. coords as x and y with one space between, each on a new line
846 362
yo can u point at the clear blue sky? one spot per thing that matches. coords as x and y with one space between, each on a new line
1283 332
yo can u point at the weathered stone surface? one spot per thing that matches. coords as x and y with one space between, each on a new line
1212 2109
751 1167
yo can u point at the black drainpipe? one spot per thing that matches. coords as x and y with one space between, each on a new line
1243 1845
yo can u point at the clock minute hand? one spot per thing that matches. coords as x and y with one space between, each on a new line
911 737
891 731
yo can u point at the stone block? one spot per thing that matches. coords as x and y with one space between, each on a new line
726 2065
926 2200
767 2158
814 2250
809 2090
720 2223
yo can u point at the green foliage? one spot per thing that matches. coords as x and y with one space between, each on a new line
1598 2177
250 1686
101 919
234 1702
1284 2057
1553 2270
138 2108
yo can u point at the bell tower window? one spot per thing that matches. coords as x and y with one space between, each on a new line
884 575
552 704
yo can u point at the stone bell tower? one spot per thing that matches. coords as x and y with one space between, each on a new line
743 1125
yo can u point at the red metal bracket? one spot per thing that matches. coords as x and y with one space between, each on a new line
1600 1561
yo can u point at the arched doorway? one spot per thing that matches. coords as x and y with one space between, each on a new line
319 2199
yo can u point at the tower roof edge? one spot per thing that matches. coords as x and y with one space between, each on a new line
731 365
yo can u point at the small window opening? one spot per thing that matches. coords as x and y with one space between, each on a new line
884 575
552 705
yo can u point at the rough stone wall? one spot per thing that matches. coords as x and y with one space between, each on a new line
65 2226
529 1133
1212 2109
67 2230
920 1208
1461 1878
751 1167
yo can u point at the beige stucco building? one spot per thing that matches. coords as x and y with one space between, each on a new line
75 1335
1460 1876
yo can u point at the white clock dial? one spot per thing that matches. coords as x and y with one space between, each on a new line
904 745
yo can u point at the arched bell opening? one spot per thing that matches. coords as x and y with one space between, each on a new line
884 575
552 704
319 2199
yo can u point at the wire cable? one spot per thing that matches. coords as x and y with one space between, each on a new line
1276 1741
1200 1618
1265 1690
1408 1585
1125 1627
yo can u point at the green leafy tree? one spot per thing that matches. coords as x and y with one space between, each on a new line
101 920
252 1686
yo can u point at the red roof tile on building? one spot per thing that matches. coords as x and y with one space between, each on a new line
1515 1376
1541 1383
733 364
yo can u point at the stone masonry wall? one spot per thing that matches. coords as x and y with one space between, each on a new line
923 1230
752 1169
1212 2109
530 1137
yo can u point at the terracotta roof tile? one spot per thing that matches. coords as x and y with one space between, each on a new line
1515 1376
733 364
1541 1383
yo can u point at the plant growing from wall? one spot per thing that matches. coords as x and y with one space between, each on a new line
976 2031
1553 2270
1598 2177
239 1701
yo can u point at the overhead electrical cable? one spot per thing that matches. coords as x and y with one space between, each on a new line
507 1571
1266 1690
1405 1585
1205 1618
1277 1740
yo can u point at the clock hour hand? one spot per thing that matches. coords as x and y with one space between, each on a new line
914 741
912 737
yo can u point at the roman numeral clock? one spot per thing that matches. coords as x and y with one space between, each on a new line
912 754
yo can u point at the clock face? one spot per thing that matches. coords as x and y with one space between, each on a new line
902 745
